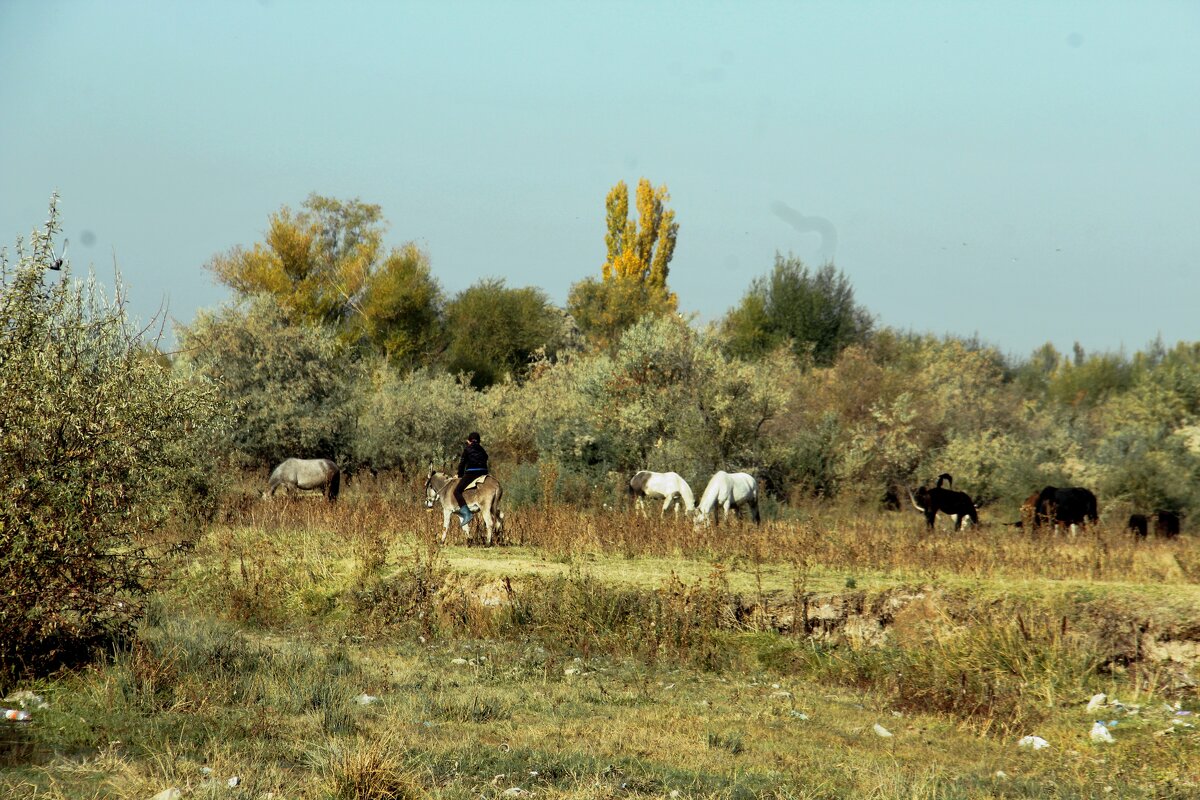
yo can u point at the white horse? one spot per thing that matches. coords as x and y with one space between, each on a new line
666 486
730 491
306 473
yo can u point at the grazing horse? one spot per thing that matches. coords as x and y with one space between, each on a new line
1138 524
666 486
482 495
306 473
954 504
730 491
1071 507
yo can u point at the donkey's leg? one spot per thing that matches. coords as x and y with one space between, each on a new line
445 523
489 524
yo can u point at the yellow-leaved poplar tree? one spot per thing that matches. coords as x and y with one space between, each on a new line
634 276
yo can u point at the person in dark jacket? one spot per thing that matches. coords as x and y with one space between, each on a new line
473 464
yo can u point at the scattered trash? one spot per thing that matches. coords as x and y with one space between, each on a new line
799 714
168 794
27 699
232 782
1033 742
206 771
366 699
461 662
1100 733
1097 701
782 694
1183 713
881 731
15 714
515 791
897 713
1001 774
571 671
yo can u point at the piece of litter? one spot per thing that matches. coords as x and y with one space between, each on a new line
571 671
27 699
799 715
458 661
1001 774
515 791
1096 701
366 699
881 731
1033 742
232 782
1100 733
168 794
1183 713
15 714
784 694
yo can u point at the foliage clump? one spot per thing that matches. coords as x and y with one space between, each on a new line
107 462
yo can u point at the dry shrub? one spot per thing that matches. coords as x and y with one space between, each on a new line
368 769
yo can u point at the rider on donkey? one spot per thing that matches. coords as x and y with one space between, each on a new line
472 465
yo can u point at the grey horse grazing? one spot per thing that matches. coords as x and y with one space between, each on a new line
482 495
306 473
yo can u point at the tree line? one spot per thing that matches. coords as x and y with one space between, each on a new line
113 456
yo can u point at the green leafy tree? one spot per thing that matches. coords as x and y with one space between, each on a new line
290 384
634 276
407 420
326 265
815 312
494 331
108 463
668 398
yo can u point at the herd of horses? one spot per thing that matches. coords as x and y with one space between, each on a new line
726 494
1071 508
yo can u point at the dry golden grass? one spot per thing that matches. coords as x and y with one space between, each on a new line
880 545
600 654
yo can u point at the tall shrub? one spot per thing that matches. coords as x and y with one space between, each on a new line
106 462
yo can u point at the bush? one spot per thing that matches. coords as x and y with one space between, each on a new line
103 450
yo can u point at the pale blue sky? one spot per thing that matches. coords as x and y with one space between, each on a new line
1024 172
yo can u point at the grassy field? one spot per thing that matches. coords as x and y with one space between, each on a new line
312 651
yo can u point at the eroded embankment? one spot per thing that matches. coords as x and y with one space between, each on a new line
1120 626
